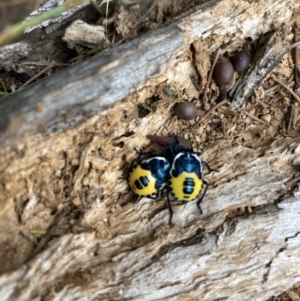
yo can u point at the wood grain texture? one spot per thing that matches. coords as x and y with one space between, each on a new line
94 84
67 149
231 252
74 94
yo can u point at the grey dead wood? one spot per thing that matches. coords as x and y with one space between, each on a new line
56 23
80 86
244 247
267 58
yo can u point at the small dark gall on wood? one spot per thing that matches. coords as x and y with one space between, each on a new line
241 60
223 75
186 110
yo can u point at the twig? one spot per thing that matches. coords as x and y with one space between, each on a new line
297 98
106 15
291 117
44 63
54 225
223 102
262 103
210 76
296 59
296 115
254 118
38 74
3 86
139 21
292 46
200 112
291 110
109 21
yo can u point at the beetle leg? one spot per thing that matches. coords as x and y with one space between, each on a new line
208 167
170 208
201 198
153 197
136 160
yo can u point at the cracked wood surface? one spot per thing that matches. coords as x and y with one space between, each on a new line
244 247
62 172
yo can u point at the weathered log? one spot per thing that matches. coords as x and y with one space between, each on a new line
244 247
90 86
66 152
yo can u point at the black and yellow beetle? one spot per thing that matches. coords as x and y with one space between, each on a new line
147 178
178 169
186 179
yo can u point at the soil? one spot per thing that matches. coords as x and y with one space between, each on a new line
269 113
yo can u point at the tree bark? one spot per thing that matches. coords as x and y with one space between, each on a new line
70 227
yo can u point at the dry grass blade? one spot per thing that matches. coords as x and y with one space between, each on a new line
38 75
253 117
12 32
223 102
287 88
210 75
296 56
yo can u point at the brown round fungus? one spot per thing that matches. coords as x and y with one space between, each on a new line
186 110
223 72
223 75
241 60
